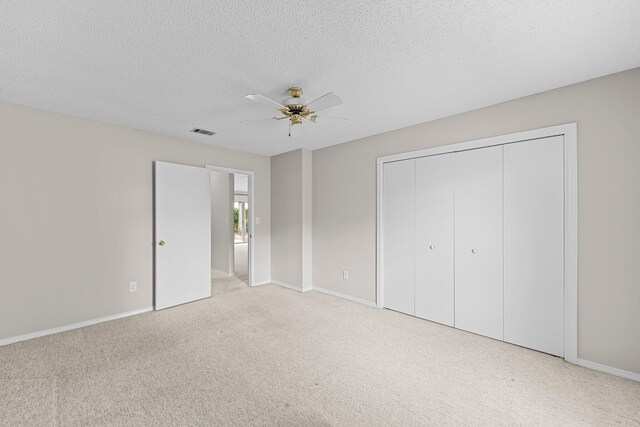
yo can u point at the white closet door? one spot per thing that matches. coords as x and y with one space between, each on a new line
434 238
398 235
478 240
534 244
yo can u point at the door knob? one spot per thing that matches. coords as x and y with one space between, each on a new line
161 242
432 246
474 251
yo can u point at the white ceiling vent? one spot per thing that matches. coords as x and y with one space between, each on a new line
203 131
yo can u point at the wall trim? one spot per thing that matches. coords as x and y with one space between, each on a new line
569 133
288 286
71 326
608 369
345 296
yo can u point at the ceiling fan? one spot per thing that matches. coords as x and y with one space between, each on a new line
296 109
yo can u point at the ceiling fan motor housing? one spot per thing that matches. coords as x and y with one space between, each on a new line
294 102
295 106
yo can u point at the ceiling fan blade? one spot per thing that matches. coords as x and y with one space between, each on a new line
325 102
265 101
335 121
344 119
252 122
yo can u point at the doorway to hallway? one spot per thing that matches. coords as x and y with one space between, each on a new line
232 221
241 226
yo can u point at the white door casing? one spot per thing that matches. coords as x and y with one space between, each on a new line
182 234
252 216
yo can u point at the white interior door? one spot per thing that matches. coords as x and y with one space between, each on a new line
182 234
478 241
434 269
534 244
398 235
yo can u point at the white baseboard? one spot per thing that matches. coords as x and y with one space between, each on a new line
345 296
609 369
38 334
268 282
288 286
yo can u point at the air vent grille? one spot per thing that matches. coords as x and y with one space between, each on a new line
203 131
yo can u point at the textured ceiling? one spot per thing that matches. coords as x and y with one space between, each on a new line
170 66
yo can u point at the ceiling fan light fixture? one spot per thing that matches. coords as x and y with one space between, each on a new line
296 119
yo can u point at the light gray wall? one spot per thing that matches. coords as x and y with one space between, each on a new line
306 199
286 218
222 221
607 111
291 218
77 215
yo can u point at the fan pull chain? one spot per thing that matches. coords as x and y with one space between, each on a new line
289 128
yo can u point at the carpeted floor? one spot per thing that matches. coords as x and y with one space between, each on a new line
241 257
221 284
272 356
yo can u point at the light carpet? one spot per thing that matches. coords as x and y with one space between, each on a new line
272 356
241 260
222 284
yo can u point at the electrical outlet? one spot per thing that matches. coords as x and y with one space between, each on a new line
257 220
133 286
345 274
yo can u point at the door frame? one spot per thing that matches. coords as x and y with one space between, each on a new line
569 132
252 214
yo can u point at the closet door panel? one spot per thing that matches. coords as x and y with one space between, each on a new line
534 244
434 238
478 241
398 235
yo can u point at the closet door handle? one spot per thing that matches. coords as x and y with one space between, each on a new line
474 251
432 247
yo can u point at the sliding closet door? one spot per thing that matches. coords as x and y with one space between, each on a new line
434 238
398 235
478 241
534 244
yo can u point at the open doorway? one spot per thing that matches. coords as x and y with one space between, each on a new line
231 229
241 226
